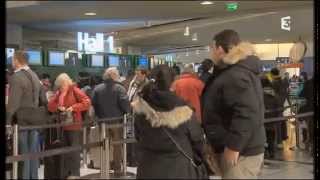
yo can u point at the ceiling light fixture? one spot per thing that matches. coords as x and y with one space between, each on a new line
268 40
194 37
206 2
186 31
90 13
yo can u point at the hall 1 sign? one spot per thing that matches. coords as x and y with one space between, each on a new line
90 43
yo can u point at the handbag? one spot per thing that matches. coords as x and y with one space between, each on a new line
200 168
211 160
31 115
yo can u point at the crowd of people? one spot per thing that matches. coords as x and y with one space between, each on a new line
174 113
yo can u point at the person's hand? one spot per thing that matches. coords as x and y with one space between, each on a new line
70 109
61 108
231 156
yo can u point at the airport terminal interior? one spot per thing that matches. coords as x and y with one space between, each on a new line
90 41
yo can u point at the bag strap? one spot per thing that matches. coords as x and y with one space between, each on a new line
30 78
179 147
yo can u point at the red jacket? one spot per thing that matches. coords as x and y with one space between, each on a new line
189 87
75 98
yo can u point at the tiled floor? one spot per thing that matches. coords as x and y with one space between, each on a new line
298 165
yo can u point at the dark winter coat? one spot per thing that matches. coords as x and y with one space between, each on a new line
159 157
110 100
204 76
307 93
280 88
232 104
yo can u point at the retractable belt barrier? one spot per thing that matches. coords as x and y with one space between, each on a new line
107 123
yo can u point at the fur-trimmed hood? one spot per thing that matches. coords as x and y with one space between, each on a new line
239 52
171 119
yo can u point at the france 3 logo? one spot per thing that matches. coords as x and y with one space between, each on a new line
285 23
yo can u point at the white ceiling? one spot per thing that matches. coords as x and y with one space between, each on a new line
254 20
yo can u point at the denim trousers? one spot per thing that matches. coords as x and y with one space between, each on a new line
29 143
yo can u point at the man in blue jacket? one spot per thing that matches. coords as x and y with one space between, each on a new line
233 107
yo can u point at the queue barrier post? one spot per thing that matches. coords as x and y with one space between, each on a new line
15 151
107 158
103 172
84 130
125 145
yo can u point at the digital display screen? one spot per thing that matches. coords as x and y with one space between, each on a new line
73 59
34 57
9 55
113 60
143 61
56 58
97 60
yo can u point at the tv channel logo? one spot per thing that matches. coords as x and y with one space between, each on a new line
285 23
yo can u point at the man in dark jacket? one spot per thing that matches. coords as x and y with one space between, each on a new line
110 100
233 108
307 93
282 95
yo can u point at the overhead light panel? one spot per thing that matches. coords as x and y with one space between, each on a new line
206 2
268 40
186 31
195 37
90 13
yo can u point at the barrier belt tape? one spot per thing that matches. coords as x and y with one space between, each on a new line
280 109
64 150
11 159
106 120
285 118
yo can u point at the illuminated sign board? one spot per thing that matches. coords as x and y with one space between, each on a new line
90 43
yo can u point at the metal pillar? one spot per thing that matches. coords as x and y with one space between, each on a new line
15 151
125 145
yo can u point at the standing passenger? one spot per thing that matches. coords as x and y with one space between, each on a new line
189 87
158 112
24 86
110 100
204 74
233 108
70 99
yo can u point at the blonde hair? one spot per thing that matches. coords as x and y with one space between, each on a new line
63 77
109 71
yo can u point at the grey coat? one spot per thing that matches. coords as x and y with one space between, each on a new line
20 94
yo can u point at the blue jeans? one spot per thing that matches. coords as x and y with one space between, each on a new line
29 143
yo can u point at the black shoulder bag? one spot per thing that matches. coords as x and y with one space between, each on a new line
31 115
200 169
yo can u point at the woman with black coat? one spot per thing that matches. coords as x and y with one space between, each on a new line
158 112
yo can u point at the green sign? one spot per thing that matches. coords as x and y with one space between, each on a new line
232 6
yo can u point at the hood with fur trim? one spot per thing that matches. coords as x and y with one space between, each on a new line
171 119
239 52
